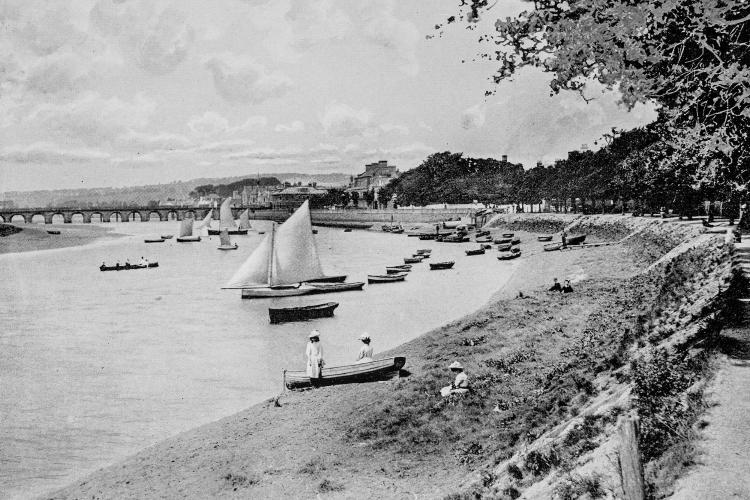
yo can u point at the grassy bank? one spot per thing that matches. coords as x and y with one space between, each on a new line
550 373
27 238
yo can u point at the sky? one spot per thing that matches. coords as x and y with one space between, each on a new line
127 92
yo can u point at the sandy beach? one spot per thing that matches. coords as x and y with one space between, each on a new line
32 237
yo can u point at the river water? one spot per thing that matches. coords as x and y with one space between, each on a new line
97 365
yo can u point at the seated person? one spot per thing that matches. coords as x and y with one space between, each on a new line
567 288
365 353
555 286
460 385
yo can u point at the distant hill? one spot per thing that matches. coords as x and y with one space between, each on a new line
142 195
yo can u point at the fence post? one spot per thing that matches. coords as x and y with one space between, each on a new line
629 458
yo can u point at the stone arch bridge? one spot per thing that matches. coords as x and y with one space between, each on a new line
106 214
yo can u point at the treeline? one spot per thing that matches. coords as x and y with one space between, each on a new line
625 174
225 190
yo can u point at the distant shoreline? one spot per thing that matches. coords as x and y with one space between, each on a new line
33 237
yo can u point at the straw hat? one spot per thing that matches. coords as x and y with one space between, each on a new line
364 336
456 366
314 333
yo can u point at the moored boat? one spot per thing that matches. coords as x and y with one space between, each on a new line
336 287
441 265
127 267
224 242
483 239
508 255
339 278
413 260
456 238
226 220
507 235
501 241
486 246
388 270
344 374
544 238
186 232
504 247
303 313
386 278
424 251
404 267
166 236
423 255
348 230
550 247
479 234
515 241
53 231
476 251
153 240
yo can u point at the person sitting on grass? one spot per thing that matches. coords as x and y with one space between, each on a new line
567 288
365 353
555 286
460 385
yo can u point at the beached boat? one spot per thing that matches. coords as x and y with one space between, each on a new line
515 250
544 238
403 267
398 230
224 242
551 247
186 232
486 246
423 255
508 255
226 220
504 247
515 241
166 236
441 265
484 239
413 260
501 241
479 234
286 263
576 239
396 271
427 236
424 251
507 235
53 231
153 240
476 251
386 228
386 278
127 267
303 313
345 374
456 238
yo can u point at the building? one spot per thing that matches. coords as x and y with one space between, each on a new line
7 204
210 200
257 195
292 197
375 176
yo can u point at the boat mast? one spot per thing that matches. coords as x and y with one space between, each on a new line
273 253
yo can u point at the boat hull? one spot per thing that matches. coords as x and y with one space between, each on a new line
166 236
329 279
304 313
346 374
53 231
441 265
188 239
508 255
277 291
502 241
503 247
228 247
477 251
413 260
128 268
216 232
386 278
154 240
336 287
544 238
551 247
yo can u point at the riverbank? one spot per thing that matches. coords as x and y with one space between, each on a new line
28 238
535 363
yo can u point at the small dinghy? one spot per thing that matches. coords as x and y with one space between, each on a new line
303 313
424 251
127 267
348 230
507 235
224 242
508 255
166 236
397 269
153 240
397 230
577 239
456 238
441 265
345 374
483 239
413 260
551 247
423 255
515 241
544 238
386 278
501 241
53 231
479 234
504 247
476 251
335 287
487 246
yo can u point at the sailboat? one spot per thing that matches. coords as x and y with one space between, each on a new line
224 243
245 220
206 222
186 232
286 263
226 220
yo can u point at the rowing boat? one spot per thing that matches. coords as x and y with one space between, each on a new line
504 247
508 255
345 374
286 314
166 236
501 241
386 278
413 260
507 235
127 267
441 265
423 255
398 269
153 240
544 238
515 241
476 251
551 247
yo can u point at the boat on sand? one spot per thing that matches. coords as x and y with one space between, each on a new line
345 374
508 255
413 260
547 237
386 278
441 265
303 313
475 251
551 247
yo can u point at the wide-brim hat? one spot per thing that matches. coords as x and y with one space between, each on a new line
314 333
456 366
364 336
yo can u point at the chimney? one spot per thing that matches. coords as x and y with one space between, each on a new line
504 158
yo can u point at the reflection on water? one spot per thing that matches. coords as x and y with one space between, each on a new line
94 366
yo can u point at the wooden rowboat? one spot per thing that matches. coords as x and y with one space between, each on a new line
153 240
397 270
402 267
455 238
508 255
286 314
507 235
504 247
479 234
345 374
544 238
128 267
486 246
424 251
476 251
336 287
515 241
500 241
53 231
441 265
551 247
386 278
423 255
166 236
483 239
188 239
575 239
413 260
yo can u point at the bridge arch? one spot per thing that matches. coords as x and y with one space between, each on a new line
132 216
77 218
96 217
157 213
22 216
2 219
188 214
38 218
173 215
57 218
117 216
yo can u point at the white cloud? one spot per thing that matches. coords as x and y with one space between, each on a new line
344 121
295 126
233 146
389 31
473 117
163 141
55 74
424 126
316 22
208 124
46 153
392 127
240 80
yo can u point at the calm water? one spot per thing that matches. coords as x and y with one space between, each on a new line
95 366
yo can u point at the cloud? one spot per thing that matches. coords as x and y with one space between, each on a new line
340 120
163 141
166 43
392 127
295 126
44 30
55 74
208 124
46 153
387 30
316 22
473 117
241 80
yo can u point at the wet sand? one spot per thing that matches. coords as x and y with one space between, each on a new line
33 237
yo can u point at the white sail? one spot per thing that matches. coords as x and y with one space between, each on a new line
206 222
226 219
186 228
254 272
245 220
295 252
224 238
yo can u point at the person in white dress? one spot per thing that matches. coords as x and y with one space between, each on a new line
365 353
460 385
314 355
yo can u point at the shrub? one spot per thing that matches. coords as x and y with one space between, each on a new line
326 485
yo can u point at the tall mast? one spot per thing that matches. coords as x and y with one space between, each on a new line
273 254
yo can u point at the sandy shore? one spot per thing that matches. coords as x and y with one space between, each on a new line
35 237
305 447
